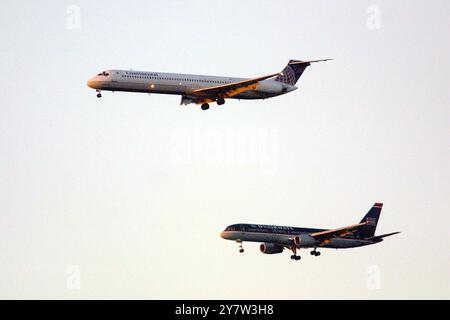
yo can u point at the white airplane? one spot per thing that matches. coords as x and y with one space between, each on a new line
201 89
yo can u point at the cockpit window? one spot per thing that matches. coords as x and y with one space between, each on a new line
104 73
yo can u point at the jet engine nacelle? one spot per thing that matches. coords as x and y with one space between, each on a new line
270 248
305 240
271 86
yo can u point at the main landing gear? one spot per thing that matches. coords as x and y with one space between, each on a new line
295 256
99 95
315 253
219 101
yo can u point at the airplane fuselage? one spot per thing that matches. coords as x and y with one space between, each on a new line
284 235
180 84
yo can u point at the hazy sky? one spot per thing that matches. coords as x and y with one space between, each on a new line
125 196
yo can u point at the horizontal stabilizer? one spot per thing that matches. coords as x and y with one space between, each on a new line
305 62
383 236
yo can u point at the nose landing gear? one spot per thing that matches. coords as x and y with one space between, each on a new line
241 249
205 106
99 95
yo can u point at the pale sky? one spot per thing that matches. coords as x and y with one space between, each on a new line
125 196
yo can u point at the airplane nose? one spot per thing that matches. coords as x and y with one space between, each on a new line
92 84
225 235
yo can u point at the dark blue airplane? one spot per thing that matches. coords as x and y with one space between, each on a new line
275 238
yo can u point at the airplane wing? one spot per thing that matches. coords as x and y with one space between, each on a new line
337 233
230 89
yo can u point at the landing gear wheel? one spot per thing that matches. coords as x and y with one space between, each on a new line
205 106
99 95
241 250
297 258
315 253
220 101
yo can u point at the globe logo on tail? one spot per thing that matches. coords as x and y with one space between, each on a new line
287 76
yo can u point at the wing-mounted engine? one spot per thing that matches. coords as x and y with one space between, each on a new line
305 241
270 248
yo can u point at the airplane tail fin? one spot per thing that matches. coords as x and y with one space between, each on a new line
293 71
371 218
